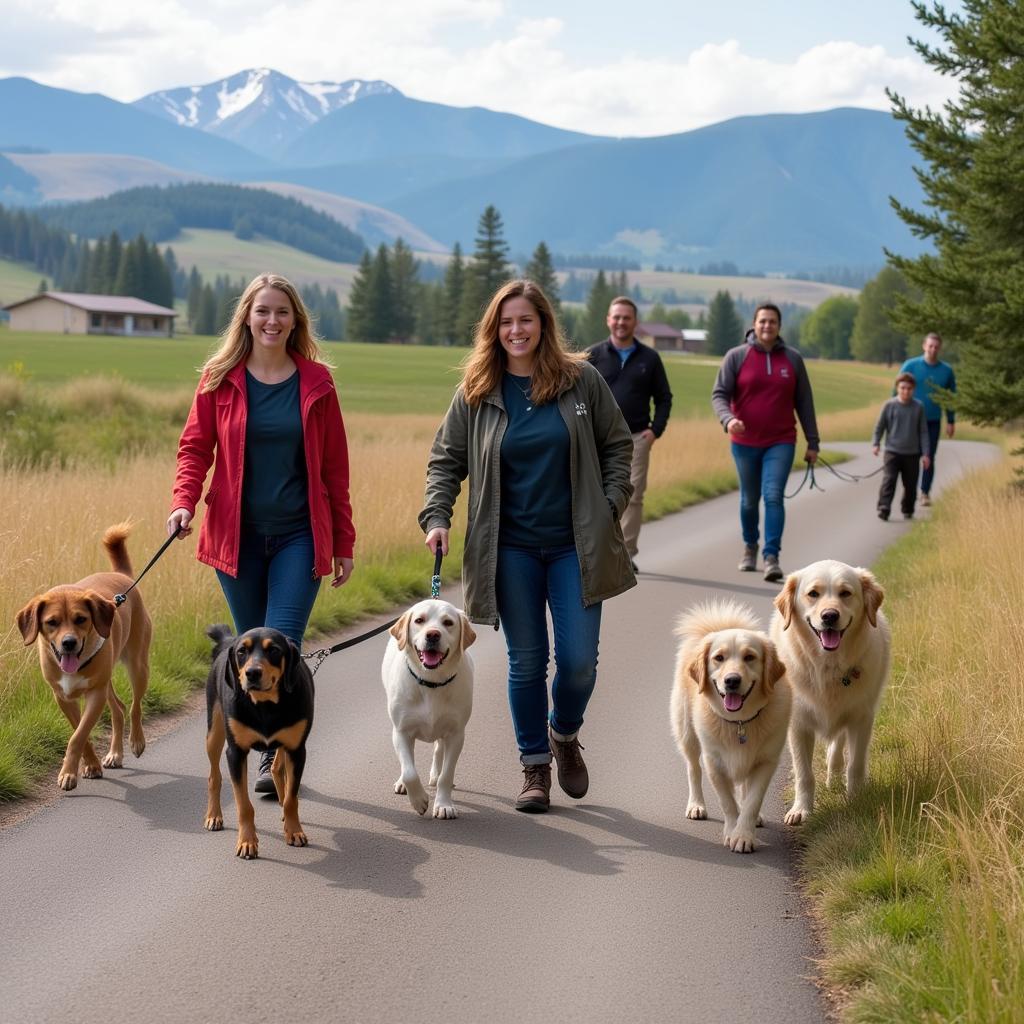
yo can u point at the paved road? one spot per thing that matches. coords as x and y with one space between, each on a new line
118 906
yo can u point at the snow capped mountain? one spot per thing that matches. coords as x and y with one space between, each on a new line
259 108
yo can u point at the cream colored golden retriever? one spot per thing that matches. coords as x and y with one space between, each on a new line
835 643
730 704
428 678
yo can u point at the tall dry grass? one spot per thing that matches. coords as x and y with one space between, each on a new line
921 879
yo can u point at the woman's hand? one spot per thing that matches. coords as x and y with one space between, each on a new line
179 518
342 571
736 427
810 455
438 535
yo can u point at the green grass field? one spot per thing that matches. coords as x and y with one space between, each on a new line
17 281
379 378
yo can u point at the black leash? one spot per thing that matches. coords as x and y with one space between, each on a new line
839 474
325 652
119 599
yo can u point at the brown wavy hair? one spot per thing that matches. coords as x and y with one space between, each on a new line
555 368
236 341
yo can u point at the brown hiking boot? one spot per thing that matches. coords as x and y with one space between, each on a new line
572 772
748 560
536 795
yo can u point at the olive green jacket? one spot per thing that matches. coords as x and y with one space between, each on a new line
468 444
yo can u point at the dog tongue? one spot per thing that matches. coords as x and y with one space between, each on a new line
69 663
830 639
431 659
732 702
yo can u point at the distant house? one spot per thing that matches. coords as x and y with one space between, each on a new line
72 313
666 338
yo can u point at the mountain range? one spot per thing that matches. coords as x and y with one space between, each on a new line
785 193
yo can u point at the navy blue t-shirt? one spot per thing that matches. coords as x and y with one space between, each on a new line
274 493
536 496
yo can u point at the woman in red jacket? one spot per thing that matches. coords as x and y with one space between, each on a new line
278 517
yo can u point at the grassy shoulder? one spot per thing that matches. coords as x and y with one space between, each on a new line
919 881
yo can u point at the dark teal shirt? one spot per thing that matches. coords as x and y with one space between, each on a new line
536 495
274 493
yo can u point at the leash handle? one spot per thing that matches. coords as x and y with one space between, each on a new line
435 580
119 599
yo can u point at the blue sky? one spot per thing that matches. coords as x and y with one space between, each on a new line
644 68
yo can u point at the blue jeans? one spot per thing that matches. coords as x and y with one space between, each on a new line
934 430
275 585
763 473
529 581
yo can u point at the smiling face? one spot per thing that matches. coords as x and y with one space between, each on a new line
433 634
271 319
732 666
72 622
766 327
519 330
621 324
931 346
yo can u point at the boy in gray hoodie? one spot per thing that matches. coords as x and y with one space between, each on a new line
903 423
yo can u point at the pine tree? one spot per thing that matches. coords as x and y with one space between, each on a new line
724 326
487 271
594 324
357 324
382 297
875 337
454 282
404 269
195 297
970 284
541 271
130 271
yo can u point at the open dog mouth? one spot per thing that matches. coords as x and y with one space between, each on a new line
829 639
431 657
733 700
68 662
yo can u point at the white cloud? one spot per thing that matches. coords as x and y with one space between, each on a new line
460 52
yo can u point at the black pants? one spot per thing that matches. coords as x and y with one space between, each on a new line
907 467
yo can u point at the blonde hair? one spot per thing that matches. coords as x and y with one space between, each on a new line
555 368
236 341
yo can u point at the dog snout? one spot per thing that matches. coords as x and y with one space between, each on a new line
733 681
830 618
432 637
69 643
254 675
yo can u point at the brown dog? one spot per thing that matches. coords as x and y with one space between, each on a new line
81 634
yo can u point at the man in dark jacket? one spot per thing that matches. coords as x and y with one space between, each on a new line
637 378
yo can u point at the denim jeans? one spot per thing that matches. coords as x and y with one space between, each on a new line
763 473
275 585
529 581
934 430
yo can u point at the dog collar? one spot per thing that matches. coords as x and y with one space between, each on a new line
427 683
56 654
741 732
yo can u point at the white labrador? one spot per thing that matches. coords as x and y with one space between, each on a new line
836 644
428 678
730 706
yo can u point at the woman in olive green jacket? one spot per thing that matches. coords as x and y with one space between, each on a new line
547 454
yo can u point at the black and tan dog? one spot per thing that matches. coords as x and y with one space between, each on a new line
81 634
259 696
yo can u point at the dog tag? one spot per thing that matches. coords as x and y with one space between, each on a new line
741 732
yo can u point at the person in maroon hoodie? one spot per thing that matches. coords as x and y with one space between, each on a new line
278 518
759 386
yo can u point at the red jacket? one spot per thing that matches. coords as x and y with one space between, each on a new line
215 430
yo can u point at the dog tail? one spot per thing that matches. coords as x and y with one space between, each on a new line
114 541
221 635
711 616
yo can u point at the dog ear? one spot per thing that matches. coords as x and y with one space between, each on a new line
293 664
785 602
774 669
103 612
699 667
28 620
400 631
467 633
873 595
231 665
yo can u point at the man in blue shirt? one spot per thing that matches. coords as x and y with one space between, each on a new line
930 372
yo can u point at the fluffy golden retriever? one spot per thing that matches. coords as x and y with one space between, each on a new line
835 642
428 678
81 634
730 704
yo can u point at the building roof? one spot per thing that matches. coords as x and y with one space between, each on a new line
101 303
658 330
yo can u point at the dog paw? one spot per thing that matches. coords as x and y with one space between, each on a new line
296 837
445 810
213 823
795 815
92 771
741 842
138 744
113 760
248 847
760 821
696 812
400 787
67 781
